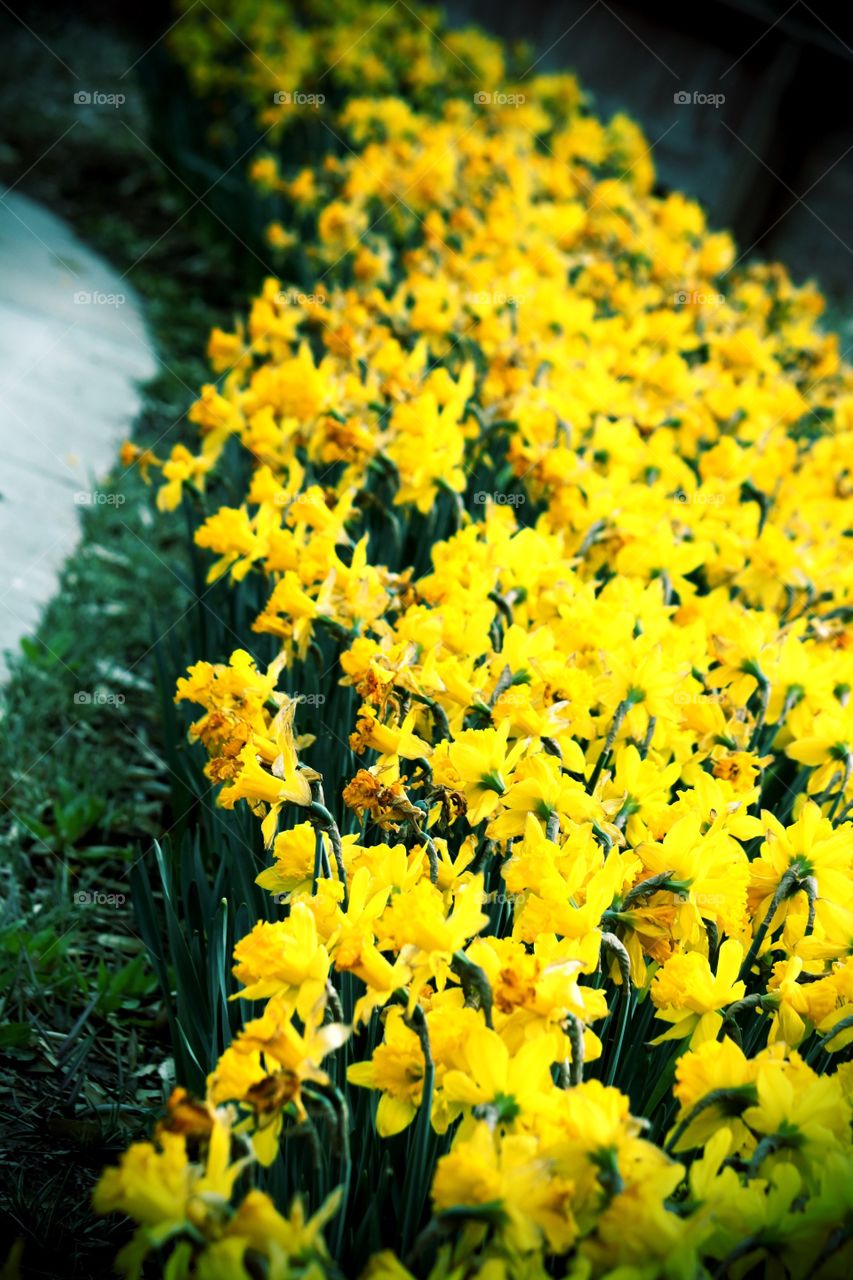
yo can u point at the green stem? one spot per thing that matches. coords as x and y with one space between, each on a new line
610 943
334 1001
647 741
663 880
504 681
497 599
713 942
321 861
836 1241
432 853
442 724
842 788
417 1180
741 1098
619 1035
324 822
784 889
346 1160
590 537
769 1143
573 1028
621 711
740 1251
764 694
474 983
844 1025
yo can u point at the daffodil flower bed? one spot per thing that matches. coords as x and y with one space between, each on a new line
560 982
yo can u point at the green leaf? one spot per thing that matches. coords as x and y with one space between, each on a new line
14 1034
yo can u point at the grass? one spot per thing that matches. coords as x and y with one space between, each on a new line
84 1041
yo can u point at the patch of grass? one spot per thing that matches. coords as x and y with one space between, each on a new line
84 1039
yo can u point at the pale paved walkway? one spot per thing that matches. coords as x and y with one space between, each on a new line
73 349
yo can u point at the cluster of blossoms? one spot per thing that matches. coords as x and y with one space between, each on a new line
553 504
297 59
